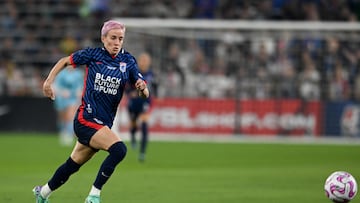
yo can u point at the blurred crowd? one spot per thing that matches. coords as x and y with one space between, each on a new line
34 34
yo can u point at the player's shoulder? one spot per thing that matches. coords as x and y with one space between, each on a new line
125 55
149 74
124 52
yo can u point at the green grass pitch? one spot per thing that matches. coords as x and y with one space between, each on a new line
180 172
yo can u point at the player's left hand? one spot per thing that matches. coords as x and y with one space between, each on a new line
140 84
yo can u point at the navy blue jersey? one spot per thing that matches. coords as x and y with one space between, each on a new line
104 84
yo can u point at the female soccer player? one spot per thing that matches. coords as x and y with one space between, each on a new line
138 107
108 69
68 87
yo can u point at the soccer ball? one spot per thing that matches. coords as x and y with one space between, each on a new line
340 187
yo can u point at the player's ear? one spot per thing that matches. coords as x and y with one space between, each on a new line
103 38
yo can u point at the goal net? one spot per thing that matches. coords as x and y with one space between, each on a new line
252 77
248 59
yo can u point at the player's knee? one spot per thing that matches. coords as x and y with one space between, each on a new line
118 150
72 166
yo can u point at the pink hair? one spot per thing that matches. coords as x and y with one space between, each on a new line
111 24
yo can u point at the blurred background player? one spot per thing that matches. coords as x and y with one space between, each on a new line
68 86
139 107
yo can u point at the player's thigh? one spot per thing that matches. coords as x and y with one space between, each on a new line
104 138
144 117
82 153
133 116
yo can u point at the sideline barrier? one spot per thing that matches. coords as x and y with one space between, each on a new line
204 116
29 114
225 116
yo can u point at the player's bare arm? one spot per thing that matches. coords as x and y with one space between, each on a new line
141 86
47 86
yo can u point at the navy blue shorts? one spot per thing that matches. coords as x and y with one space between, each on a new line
136 107
85 129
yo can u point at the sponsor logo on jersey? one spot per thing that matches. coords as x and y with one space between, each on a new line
122 67
111 67
89 109
98 121
106 84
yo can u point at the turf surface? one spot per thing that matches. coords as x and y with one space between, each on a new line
180 172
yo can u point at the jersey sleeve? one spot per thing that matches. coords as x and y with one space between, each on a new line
80 57
134 73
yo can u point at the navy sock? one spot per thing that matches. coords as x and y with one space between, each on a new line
63 173
144 140
132 134
117 153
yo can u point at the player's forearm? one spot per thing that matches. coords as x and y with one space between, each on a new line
143 91
47 86
61 64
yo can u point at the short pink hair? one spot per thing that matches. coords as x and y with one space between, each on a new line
110 25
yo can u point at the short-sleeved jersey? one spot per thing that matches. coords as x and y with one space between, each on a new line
68 84
105 79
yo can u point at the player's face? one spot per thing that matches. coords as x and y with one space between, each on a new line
113 40
144 62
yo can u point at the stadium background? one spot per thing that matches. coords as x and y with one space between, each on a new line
224 67
269 65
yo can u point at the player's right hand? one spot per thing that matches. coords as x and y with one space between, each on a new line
48 90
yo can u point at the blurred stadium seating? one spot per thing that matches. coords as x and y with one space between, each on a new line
241 64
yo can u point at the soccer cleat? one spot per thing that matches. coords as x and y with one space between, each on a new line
39 198
133 145
142 157
92 199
